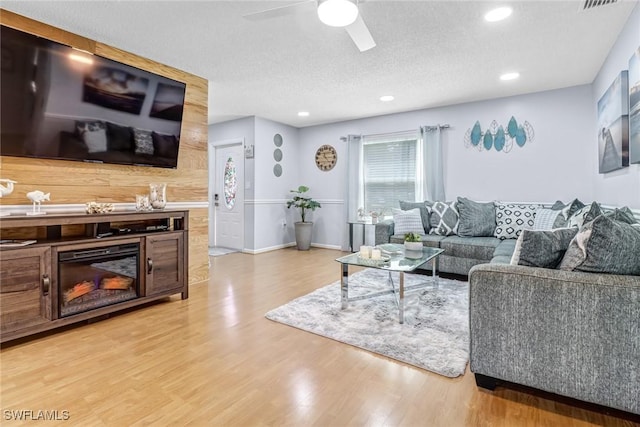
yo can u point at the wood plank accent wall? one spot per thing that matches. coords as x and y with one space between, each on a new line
76 182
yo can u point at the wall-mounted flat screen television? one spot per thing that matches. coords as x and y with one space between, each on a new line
61 103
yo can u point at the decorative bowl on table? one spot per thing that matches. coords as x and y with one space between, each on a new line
373 262
413 254
413 246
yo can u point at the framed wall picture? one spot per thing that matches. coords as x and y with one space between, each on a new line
634 107
613 126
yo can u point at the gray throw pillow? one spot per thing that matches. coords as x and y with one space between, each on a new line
604 246
543 248
444 218
476 219
424 211
623 214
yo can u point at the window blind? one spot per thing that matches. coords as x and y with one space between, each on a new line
389 173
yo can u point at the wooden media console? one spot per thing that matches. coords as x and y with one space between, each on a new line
83 266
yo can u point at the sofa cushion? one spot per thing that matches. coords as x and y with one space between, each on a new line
511 219
481 248
604 245
407 221
444 218
501 259
119 138
424 211
542 248
430 240
476 219
505 248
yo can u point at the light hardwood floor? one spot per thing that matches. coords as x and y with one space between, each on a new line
215 360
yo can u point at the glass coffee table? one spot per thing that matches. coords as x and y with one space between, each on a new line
398 261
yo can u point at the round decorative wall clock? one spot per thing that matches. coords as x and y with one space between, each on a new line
326 157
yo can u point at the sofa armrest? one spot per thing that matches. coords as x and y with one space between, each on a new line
571 333
384 231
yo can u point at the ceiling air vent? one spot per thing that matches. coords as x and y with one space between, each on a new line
592 4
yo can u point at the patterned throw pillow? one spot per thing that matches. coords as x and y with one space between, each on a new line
511 219
545 219
407 221
444 219
571 208
584 215
424 211
143 141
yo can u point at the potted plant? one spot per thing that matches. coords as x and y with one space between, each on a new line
412 242
303 228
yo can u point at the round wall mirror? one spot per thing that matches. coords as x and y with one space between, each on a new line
277 140
277 154
277 170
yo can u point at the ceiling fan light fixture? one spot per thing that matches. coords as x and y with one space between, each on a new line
498 14
337 13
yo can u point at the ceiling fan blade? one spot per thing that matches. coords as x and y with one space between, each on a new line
360 34
276 11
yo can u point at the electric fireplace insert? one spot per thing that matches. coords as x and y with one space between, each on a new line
97 277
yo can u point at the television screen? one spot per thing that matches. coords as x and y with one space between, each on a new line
62 103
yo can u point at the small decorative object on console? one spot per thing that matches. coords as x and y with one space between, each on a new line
98 208
142 202
8 189
37 197
158 195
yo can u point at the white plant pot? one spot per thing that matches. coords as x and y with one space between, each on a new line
303 235
413 246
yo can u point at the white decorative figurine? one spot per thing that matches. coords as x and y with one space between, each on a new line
6 188
5 191
37 197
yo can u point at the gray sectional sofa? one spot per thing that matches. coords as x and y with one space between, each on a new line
572 333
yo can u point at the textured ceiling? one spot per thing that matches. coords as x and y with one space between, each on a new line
429 53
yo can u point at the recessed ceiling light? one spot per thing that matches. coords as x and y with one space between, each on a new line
509 76
387 98
303 114
498 14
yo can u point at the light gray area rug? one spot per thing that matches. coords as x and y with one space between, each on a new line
435 335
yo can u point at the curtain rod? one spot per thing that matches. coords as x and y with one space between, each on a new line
444 126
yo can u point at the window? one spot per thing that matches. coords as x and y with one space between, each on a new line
389 172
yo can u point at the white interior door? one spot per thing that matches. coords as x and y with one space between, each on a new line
228 196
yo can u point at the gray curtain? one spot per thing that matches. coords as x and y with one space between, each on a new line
432 161
353 195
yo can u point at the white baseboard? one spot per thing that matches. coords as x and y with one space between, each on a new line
320 245
287 245
268 249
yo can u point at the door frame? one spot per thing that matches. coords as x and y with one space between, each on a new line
211 160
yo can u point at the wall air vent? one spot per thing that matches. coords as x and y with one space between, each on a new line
592 4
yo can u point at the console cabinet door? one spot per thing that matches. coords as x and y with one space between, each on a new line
164 263
25 294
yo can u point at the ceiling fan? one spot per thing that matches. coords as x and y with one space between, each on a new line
335 13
